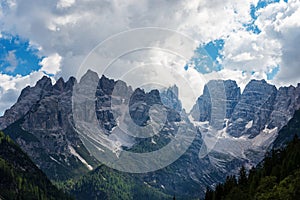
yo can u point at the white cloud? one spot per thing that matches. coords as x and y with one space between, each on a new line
65 31
51 64
276 45
65 3
73 31
287 26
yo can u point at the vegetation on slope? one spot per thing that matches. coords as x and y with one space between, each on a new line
20 178
277 178
106 183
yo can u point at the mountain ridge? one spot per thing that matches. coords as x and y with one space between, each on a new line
45 111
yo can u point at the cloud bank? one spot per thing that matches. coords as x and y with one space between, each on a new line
65 31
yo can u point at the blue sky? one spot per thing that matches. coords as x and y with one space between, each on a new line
206 57
17 56
253 12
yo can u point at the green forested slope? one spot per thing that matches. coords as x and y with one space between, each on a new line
20 178
106 183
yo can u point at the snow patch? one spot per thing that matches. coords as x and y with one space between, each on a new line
249 124
73 152
153 141
54 160
219 141
198 123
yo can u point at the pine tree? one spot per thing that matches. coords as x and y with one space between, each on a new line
209 194
242 176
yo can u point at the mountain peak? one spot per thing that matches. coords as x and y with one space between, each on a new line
106 84
170 98
90 72
60 80
70 83
44 82
173 89
262 81
89 76
59 85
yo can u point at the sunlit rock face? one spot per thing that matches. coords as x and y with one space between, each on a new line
229 95
256 104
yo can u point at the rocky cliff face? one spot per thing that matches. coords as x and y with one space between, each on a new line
254 107
29 97
41 123
223 94
260 106
286 102
169 98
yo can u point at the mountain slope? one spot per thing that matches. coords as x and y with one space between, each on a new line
287 133
278 177
110 98
106 183
231 128
20 178
252 124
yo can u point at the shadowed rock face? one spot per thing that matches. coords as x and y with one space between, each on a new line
286 102
41 123
28 97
